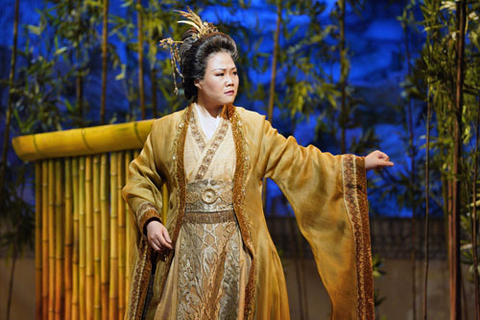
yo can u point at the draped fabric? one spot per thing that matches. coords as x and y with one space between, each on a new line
327 193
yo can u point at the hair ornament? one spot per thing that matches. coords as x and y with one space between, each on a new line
174 58
202 28
195 21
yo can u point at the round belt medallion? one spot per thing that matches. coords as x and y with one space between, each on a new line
209 196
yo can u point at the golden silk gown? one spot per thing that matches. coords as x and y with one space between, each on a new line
224 264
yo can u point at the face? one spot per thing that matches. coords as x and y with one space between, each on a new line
220 84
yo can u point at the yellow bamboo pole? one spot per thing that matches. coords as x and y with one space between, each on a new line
51 240
128 232
68 239
75 250
81 238
38 240
89 295
97 237
113 289
83 141
45 239
105 235
121 235
59 243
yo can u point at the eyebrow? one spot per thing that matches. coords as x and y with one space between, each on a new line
223 69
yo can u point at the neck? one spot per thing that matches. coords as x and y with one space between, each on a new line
213 111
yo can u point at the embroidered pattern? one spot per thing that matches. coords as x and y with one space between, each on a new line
197 136
179 174
142 211
141 278
209 217
239 182
355 199
217 140
209 196
209 270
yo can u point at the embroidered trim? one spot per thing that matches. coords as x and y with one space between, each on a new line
141 278
179 175
207 160
354 183
196 133
209 196
145 212
239 183
209 217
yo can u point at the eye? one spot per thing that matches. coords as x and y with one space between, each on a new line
235 72
219 74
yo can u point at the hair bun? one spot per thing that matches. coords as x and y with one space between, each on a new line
188 39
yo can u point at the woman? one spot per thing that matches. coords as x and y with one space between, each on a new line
213 258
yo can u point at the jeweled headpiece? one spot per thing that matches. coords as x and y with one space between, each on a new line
202 28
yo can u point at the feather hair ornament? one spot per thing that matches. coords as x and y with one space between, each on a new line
202 28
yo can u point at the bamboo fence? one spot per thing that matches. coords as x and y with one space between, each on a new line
85 233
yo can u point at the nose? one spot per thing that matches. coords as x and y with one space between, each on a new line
229 80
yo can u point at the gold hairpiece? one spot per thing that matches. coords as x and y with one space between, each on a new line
195 21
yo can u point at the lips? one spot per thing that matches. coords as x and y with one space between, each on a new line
230 92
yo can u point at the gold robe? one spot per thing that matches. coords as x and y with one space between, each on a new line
327 194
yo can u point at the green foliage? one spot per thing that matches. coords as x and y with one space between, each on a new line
434 81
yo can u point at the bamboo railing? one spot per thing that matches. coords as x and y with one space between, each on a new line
85 234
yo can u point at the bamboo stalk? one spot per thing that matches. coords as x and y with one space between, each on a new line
51 240
154 89
68 238
412 154
128 232
105 235
454 243
474 218
141 87
97 237
427 207
81 238
343 76
273 77
45 239
121 235
113 289
38 240
75 249
89 281
104 61
11 84
59 293
83 141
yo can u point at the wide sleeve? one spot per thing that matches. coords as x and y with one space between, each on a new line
143 189
328 196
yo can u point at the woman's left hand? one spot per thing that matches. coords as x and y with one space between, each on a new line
377 160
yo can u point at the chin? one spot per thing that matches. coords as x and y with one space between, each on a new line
229 101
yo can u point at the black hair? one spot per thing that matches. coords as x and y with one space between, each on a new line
194 54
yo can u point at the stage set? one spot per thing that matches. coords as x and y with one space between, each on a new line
297 233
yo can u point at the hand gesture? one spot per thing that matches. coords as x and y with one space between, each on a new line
158 237
377 160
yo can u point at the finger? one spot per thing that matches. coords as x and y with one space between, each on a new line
154 246
166 236
382 155
385 164
164 243
157 240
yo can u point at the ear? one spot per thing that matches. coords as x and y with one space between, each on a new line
197 84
